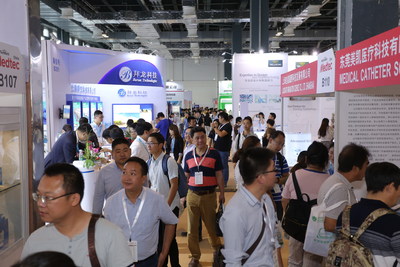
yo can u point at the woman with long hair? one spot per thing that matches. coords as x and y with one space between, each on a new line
175 143
325 133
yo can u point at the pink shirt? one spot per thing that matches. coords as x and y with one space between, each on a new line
309 181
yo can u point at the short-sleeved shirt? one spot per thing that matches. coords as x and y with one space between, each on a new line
159 181
309 182
107 184
383 235
344 191
111 246
224 143
277 191
139 149
199 121
211 163
145 231
163 127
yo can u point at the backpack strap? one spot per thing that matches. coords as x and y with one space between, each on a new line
164 164
94 261
255 244
369 220
296 186
238 142
346 221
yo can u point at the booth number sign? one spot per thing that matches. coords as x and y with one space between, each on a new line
11 68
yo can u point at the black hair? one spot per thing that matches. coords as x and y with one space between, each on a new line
190 118
141 127
238 119
106 133
119 141
67 128
141 120
352 155
230 117
83 120
197 129
112 126
73 179
323 127
85 128
317 154
97 113
276 134
301 162
249 142
46 259
273 115
116 133
380 174
262 114
271 122
142 163
160 115
248 118
159 137
254 161
129 122
224 115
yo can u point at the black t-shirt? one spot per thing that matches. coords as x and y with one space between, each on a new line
224 143
207 121
199 122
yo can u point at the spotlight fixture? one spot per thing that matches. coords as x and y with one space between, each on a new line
226 53
261 51
155 52
104 35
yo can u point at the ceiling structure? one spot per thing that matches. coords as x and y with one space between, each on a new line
191 28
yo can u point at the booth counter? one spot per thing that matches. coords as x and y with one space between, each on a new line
90 177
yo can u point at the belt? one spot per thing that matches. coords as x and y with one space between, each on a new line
155 254
203 192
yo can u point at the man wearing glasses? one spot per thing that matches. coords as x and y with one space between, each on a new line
58 198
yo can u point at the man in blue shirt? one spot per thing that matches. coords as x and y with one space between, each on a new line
163 124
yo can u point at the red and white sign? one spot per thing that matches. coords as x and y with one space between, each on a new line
326 72
11 69
370 63
301 81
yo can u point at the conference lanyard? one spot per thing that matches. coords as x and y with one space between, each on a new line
201 158
144 145
137 213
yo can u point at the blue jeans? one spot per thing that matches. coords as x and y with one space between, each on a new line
151 261
225 172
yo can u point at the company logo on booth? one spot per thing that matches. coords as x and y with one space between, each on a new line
121 92
134 72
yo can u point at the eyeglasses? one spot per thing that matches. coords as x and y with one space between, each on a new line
150 143
44 199
275 170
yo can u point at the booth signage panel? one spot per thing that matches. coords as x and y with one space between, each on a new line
370 63
301 81
134 72
326 72
11 69
225 87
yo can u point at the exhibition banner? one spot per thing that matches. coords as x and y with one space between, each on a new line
11 69
370 63
326 72
301 81
225 87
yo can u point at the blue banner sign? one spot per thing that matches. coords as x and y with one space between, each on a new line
82 98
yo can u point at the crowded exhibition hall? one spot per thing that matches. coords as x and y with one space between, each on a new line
149 133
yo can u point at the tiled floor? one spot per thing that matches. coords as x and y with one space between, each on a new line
206 257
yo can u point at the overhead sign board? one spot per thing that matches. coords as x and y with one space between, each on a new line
301 81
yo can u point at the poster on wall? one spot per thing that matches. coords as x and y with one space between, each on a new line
256 84
12 78
121 113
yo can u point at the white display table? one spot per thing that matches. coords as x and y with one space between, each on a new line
90 177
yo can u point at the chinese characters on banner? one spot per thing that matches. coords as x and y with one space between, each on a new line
370 63
301 81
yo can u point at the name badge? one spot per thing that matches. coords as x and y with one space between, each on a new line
133 248
277 189
198 177
172 155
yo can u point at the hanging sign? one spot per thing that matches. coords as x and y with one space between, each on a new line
11 69
370 63
301 81
326 72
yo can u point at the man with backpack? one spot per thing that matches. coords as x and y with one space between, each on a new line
374 236
166 185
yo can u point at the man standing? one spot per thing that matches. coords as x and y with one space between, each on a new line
109 181
223 142
163 124
353 161
98 125
203 168
139 147
167 186
275 144
250 213
58 198
382 238
199 119
65 149
138 211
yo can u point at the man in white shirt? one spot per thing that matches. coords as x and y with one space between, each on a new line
139 147
165 185
98 126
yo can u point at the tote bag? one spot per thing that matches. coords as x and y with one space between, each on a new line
317 240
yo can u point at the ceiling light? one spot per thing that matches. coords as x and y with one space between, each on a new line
295 52
261 51
104 35
279 33
315 53
226 53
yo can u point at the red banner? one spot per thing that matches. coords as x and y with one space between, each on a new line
370 63
301 81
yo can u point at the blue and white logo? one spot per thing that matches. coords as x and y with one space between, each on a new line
121 92
125 74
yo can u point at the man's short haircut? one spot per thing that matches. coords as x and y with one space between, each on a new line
160 115
46 259
248 118
85 128
83 120
67 128
352 155
230 117
142 127
73 179
106 133
223 115
273 115
238 119
159 137
116 133
317 154
276 134
98 113
381 174
190 118
271 122
197 129
253 162
141 120
129 122
119 141
142 163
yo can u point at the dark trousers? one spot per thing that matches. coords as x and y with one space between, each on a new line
151 261
279 210
173 252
